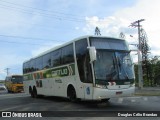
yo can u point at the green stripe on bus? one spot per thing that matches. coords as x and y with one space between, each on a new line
68 70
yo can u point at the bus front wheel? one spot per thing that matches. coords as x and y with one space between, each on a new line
72 94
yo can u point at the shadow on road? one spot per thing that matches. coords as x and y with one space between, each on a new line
96 105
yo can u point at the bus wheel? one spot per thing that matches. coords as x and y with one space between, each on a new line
105 100
72 94
31 92
35 92
9 91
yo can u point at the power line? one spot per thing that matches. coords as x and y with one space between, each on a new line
42 26
49 15
26 43
53 14
23 43
22 37
57 12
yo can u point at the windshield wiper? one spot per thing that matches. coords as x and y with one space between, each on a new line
121 66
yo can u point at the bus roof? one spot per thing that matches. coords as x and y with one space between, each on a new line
13 75
69 42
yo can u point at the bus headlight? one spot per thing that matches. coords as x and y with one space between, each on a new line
101 86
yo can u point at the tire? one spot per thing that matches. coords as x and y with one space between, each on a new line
105 100
72 94
35 92
9 91
31 92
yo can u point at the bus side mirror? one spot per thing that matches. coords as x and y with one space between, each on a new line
92 53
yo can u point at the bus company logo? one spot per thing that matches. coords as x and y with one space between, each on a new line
64 71
88 90
6 114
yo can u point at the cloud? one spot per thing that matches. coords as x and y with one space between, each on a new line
10 60
40 50
120 20
109 26
16 18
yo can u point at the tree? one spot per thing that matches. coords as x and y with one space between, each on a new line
153 78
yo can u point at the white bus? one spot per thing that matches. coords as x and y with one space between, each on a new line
88 68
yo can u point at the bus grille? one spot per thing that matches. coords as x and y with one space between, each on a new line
19 87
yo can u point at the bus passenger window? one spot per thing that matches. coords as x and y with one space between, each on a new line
32 66
39 63
82 58
47 61
67 54
56 58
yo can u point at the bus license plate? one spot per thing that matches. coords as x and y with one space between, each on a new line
119 93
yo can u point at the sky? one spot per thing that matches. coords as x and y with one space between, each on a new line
30 27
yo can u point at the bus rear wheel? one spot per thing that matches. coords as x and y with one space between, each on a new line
35 92
105 100
31 92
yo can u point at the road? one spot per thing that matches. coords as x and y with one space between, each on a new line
23 102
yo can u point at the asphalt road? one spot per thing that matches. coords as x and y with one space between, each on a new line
23 102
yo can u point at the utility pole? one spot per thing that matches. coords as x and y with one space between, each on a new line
7 69
145 51
140 72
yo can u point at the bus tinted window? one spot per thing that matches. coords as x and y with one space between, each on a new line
26 67
47 61
39 63
56 58
108 43
32 66
67 54
82 57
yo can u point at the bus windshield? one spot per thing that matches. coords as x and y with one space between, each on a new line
17 79
112 65
113 60
125 66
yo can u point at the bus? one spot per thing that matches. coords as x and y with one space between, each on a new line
14 83
86 68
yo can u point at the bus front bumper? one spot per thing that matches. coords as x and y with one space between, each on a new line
100 93
17 89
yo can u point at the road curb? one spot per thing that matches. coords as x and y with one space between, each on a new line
146 94
147 91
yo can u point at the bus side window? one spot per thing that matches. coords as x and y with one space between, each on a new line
56 58
67 54
27 67
32 66
39 62
87 68
82 58
47 61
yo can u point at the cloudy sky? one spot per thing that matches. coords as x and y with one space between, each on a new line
29 27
